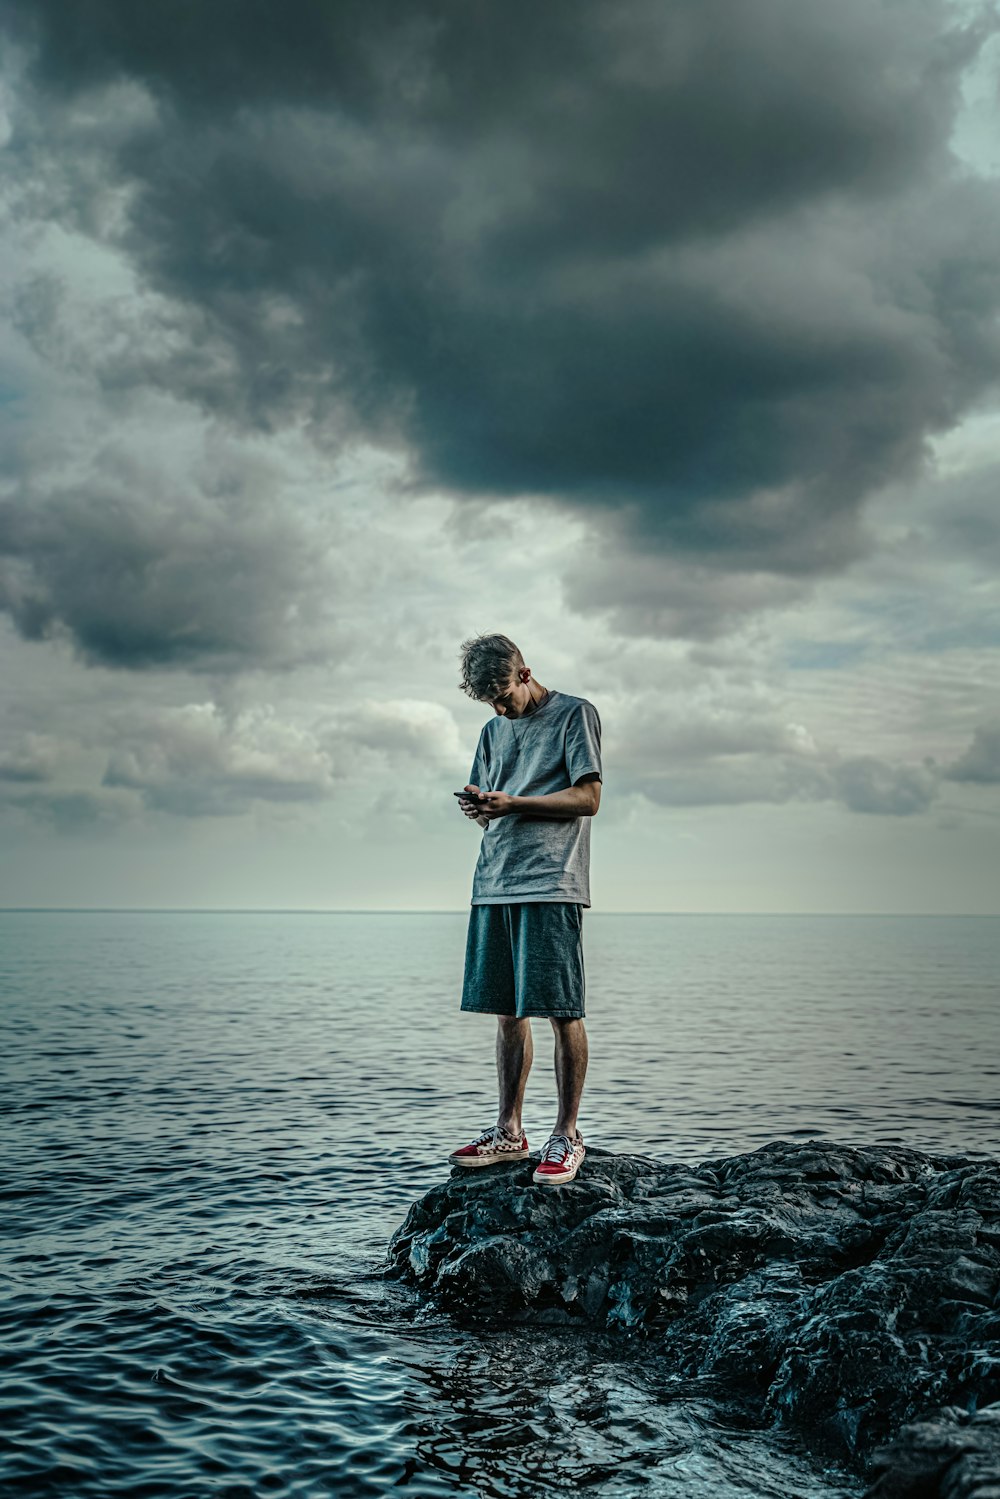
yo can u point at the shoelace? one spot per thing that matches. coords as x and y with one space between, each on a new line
493 1135
554 1150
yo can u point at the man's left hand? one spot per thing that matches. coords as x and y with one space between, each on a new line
497 804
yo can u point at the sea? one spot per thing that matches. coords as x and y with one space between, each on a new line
214 1121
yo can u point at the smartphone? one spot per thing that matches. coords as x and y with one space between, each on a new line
469 796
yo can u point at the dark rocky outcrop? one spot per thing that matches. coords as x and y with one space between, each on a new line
845 1290
954 1455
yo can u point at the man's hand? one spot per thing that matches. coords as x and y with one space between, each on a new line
471 809
498 804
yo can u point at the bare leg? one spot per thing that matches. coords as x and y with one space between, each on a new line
515 1050
571 1068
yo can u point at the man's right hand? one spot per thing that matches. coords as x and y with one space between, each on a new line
470 809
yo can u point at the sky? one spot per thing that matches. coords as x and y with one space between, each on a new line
664 340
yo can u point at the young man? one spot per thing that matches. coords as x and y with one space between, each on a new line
538 764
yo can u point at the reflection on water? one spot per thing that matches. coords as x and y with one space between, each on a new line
214 1123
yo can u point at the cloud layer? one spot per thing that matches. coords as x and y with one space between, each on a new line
663 339
710 268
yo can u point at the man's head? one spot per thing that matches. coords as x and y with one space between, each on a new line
493 671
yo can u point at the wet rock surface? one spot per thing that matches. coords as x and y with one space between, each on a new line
954 1455
843 1290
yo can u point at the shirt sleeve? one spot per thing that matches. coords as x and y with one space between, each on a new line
583 743
479 775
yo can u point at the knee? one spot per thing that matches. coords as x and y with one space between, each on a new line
514 1022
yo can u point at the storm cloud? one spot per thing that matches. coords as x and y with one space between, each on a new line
138 576
711 269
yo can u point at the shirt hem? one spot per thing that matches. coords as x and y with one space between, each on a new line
529 895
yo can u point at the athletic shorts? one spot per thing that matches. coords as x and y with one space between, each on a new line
525 959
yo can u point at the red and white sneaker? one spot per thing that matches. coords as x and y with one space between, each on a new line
494 1144
561 1160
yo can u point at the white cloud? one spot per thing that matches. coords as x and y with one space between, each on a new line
413 731
34 757
193 762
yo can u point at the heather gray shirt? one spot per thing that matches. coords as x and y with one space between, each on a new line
524 856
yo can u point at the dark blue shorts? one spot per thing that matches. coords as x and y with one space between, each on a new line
525 959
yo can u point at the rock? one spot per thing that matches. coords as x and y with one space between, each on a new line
953 1456
843 1290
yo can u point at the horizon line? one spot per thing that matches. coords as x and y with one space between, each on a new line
431 911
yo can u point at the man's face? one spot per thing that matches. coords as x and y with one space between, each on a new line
515 698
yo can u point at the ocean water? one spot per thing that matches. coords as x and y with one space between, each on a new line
214 1122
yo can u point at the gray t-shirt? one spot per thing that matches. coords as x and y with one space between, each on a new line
525 856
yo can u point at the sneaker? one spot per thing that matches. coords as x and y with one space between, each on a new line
494 1144
561 1160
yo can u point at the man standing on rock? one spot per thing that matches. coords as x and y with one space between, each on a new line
537 774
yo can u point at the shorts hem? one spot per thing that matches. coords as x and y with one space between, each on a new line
528 1015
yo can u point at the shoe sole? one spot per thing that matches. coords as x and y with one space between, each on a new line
489 1160
551 1180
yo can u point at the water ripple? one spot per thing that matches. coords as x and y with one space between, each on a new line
214 1123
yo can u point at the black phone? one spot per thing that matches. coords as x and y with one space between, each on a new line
469 796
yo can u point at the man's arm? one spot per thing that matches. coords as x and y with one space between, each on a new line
581 800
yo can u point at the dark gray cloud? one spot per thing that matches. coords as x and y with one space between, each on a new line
139 569
122 346
981 761
72 812
643 593
863 784
711 266
868 784
969 523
